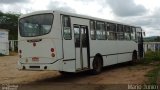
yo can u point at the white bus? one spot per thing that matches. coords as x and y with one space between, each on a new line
67 42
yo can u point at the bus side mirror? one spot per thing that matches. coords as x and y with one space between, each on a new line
144 34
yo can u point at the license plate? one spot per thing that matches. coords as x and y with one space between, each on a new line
36 59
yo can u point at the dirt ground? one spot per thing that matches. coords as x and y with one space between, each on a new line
117 74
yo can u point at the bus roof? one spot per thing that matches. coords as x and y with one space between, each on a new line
74 15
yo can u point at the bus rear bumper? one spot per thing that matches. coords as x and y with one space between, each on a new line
39 67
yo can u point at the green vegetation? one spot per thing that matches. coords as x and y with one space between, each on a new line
153 75
152 39
10 21
150 58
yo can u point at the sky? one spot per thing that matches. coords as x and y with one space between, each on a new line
144 13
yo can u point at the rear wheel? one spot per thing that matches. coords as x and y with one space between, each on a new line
97 65
134 57
63 73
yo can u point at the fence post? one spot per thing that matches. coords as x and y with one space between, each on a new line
12 44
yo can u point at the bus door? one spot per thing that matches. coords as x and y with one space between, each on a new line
82 47
140 42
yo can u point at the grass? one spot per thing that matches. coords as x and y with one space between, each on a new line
150 57
153 75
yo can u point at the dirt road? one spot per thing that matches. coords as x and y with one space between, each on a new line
118 74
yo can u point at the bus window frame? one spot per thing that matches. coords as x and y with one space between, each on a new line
36 15
134 32
100 30
107 25
94 25
126 31
69 25
122 32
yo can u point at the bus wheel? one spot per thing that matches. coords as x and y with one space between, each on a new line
97 65
63 73
134 57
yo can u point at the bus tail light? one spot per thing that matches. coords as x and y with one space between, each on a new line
52 49
34 44
53 55
20 51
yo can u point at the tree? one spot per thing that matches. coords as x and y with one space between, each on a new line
157 39
10 21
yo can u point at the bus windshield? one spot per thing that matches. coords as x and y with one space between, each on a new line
35 25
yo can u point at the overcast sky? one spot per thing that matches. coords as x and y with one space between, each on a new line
144 13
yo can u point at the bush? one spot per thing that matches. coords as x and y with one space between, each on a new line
153 75
151 56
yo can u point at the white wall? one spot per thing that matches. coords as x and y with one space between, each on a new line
153 46
4 44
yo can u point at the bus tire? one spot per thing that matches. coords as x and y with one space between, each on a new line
63 73
97 65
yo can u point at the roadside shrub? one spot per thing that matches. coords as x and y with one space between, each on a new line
151 56
153 75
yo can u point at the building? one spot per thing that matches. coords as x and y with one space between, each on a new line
4 43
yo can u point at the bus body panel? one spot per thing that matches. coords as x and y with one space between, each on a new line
57 34
125 54
68 63
107 48
110 60
41 53
69 66
69 56
37 67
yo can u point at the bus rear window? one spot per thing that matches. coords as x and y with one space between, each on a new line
35 25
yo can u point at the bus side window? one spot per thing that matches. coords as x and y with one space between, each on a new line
77 36
100 31
127 32
120 32
92 30
138 34
67 34
111 31
133 33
